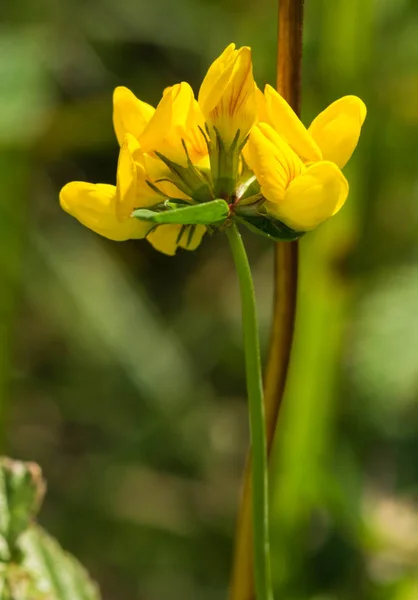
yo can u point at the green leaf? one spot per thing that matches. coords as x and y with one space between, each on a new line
32 564
17 583
270 228
206 213
53 570
21 492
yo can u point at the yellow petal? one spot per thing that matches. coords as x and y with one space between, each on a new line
165 238
313 197
191 240
273 161
130 115
132 190
127 178
336 130
216 79
176 118
193 134
228 94
290 127
94 205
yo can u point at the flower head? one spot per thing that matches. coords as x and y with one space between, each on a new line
298 169
143 179
190 166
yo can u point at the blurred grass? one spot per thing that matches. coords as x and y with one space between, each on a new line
13 171
23 95
308 491
121 371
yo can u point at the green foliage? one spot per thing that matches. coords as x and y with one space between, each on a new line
33 566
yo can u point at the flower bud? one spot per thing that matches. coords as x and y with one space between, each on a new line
227 95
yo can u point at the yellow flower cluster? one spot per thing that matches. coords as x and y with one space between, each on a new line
231 139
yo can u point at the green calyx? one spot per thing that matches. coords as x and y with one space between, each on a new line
191 180
224 163
218 197
250 211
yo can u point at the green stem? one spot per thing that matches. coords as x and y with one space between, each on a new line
262 574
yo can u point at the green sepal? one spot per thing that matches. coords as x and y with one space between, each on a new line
206 213
224 163
190 180
270 228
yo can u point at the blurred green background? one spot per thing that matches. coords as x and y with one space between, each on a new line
121 370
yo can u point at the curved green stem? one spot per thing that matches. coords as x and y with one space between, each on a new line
257 421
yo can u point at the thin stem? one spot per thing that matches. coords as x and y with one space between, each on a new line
259 479
289 70
289 48
289 51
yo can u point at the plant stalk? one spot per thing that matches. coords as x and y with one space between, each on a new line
289 61
259 480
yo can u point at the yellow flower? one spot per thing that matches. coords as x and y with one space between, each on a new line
135 169
333 135
227 95
176 120
300 196
167 130
143 180
298 168
193 151
106 209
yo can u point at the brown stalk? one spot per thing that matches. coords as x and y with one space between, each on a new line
289 62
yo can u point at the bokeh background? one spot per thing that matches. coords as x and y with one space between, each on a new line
121 370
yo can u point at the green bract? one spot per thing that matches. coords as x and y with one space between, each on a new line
270 228
208 213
